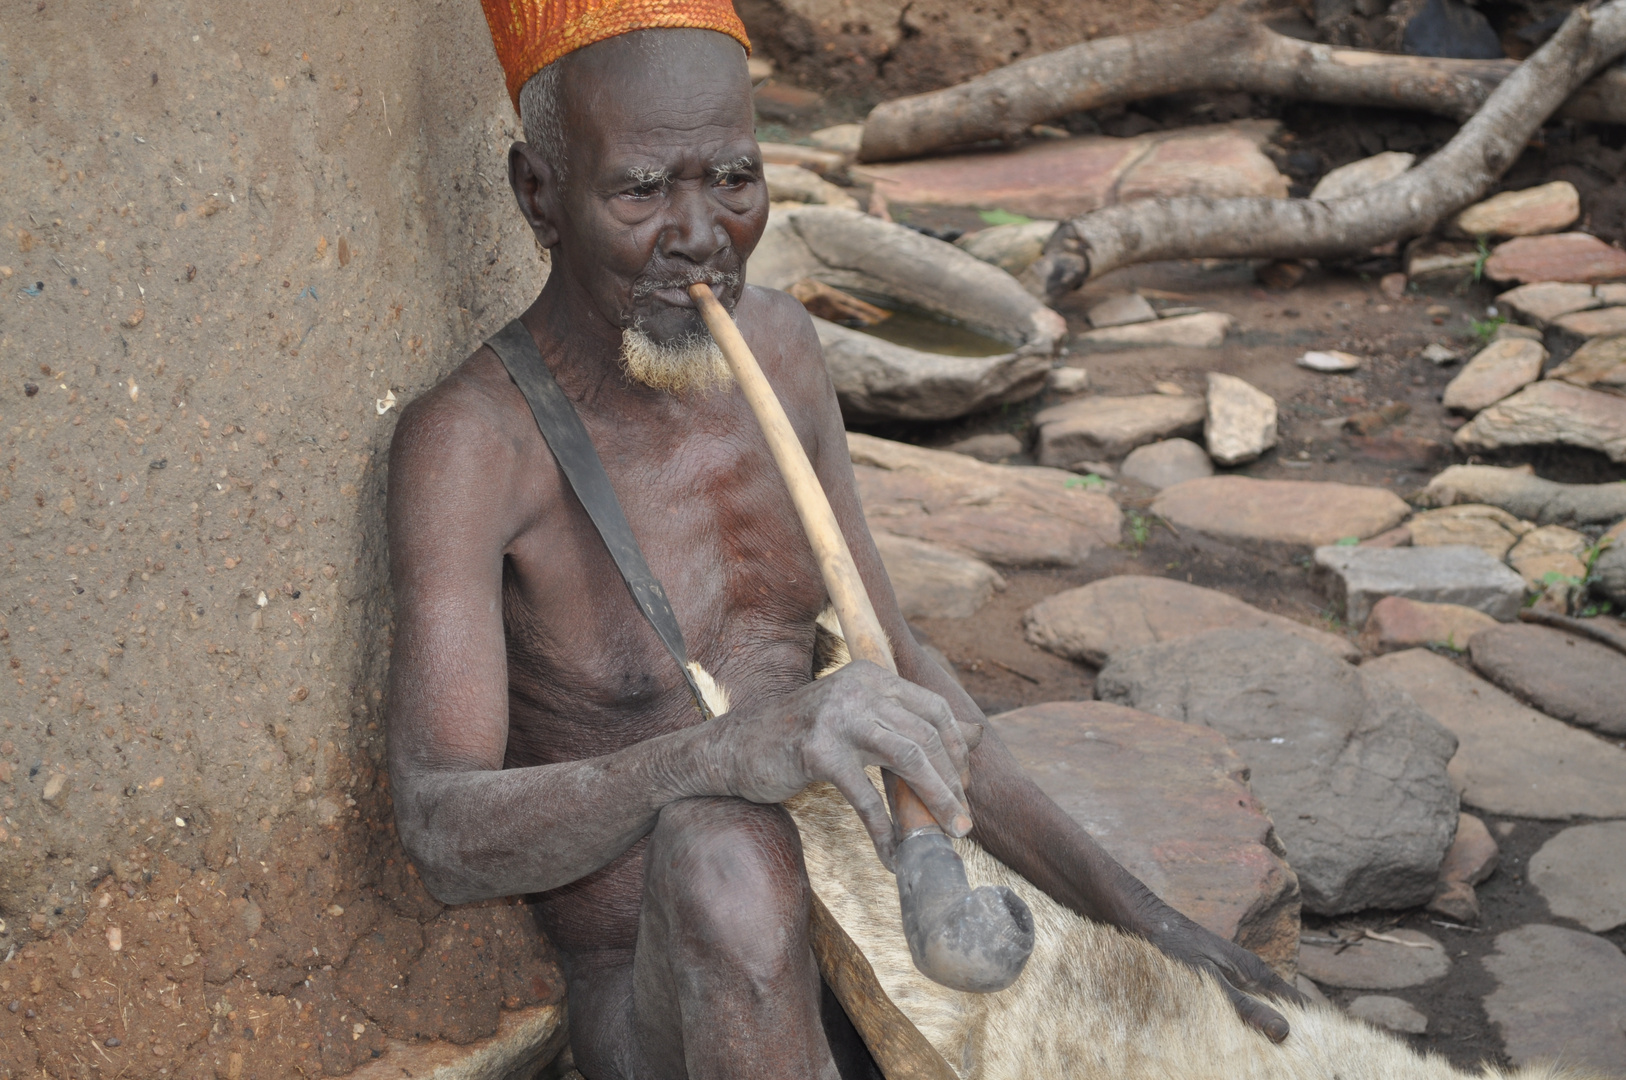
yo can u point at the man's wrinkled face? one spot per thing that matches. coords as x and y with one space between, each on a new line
664 182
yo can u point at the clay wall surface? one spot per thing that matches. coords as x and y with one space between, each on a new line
227 231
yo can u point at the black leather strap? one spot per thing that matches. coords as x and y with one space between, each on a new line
560 425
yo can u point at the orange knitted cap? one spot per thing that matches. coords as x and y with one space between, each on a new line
531 34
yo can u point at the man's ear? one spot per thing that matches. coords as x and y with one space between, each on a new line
536 189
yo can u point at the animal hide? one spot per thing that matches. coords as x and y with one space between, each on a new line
1094 1003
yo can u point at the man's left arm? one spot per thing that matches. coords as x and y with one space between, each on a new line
1013 819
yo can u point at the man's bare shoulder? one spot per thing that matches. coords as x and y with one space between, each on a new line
781 335
472 427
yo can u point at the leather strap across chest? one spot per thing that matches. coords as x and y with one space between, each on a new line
562 428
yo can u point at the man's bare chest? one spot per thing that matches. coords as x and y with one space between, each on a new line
587 673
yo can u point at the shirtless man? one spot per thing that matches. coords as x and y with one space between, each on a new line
543 741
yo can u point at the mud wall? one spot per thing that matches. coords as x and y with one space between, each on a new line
228 233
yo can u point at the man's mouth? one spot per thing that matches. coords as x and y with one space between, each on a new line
674 290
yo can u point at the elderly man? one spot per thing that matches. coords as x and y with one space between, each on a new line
542 739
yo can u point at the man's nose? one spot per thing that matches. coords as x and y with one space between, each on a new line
692 230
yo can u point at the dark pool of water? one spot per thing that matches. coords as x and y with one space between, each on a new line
930 333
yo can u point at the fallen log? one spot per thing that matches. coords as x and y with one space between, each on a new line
1409 205
1227 52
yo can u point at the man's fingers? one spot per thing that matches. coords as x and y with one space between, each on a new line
935 711
925 736
1256 1014
871 811
915 768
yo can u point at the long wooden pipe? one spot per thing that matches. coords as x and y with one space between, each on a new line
975 940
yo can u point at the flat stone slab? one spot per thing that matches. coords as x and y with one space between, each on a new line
1510 759
1004 515
1121 309
934 582
1092 428
1496 371
1095 622
1358 176
1062 178
1581 873
1166 463
525 1042
1389 1013
1273 515
1525 495
1543 301
1200 330
1354 773
1358 577
1489 528
1599 322
1600 364
1560 996
1548 550
1241 421
1012 248
1397 622
1573 256
1542 209
993 449
1170 801
1373 964
1551 412
1331 361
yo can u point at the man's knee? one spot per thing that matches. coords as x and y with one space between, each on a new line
728 875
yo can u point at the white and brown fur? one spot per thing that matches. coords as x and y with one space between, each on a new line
1094 1003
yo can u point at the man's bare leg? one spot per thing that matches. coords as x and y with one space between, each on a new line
722 982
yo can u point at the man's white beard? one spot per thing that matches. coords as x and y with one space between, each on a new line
690 364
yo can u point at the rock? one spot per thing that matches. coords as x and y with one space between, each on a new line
1543 301
56 787
839 138
1599 322
1164 464
1550 412
1306 986
994 448
1450 28
1068 380
1550 549
1358 177
1095 622
1389 1013
1400 623
1609 574
1273 515
1488 528
1170 801
1471 858
1110 427
1510 759
1513 332
1572 256
1559 996
1399 536
1611 293
1437 263
1600 364
1007 516
1358 577
785 103
823 162
876 378
1062 178
526 1041
1331 360
1374 964
1499 369
1121 309
933 582
1205 330
1393 285
1241 420
1353 771
1536 210
1581 873
1012 248
1565 675
1525 495
863 255
792 183
1439 355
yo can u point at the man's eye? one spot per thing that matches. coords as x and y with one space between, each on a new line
646 190
733 179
